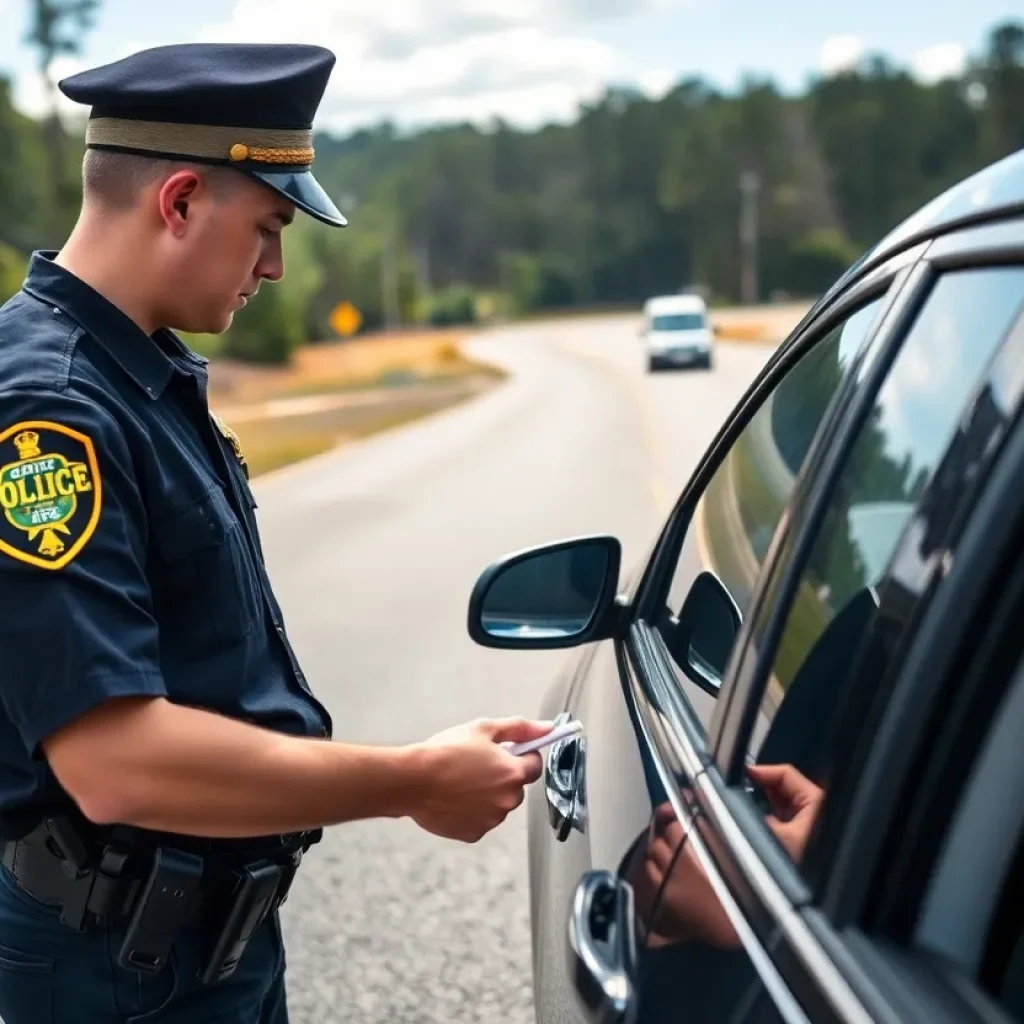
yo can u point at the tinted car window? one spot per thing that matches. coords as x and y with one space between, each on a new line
678 322
914 418
739 511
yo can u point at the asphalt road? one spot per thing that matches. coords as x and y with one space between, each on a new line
374 550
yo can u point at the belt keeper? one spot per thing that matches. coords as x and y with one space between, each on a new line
102 899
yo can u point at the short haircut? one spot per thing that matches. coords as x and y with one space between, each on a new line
114 179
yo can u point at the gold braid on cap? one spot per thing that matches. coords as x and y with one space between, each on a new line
263 155
204 141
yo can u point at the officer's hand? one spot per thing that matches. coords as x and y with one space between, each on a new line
474 783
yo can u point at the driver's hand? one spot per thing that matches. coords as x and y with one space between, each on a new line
795 802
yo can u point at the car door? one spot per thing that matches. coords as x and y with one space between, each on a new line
811 681
645 691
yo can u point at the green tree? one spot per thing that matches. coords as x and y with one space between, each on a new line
57 28
1001 74
635 197
25 194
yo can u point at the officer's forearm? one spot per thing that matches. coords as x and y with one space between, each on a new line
160 766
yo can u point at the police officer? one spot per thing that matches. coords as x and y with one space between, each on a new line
164 764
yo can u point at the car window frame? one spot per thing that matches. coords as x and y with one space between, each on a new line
660 677
852 963
895 978
673 740
940 631
938 622
650 592
801 526
810 501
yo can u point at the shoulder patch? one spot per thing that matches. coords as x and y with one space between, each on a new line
50 492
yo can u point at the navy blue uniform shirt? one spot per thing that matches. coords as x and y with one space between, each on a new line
130 563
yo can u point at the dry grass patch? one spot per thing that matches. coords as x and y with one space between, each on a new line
271 443
768 325
374 361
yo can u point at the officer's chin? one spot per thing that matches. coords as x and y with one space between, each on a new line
207 325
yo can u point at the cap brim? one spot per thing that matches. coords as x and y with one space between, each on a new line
302 189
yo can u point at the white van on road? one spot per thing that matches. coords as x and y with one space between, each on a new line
676 332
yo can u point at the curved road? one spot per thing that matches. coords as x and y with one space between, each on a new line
374 550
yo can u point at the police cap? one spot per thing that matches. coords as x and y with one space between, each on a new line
248 106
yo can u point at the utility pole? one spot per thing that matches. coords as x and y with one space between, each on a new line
750 186
389 279
424 288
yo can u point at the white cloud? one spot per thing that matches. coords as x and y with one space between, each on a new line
528 61
840 53
946 60
845 52
30 93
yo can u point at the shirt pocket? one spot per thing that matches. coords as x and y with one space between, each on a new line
205 589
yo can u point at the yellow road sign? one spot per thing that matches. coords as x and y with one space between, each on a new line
346 319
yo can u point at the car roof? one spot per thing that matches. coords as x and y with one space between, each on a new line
675 304
997 189
993 192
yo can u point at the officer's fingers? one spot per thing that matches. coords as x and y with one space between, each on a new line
514 730
532 767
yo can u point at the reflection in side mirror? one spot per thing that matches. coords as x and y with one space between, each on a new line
708 625
559 595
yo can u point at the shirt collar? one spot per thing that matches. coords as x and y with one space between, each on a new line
147 360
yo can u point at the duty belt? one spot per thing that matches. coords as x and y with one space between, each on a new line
157 892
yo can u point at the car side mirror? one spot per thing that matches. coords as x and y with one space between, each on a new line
716 330
703 636
557 595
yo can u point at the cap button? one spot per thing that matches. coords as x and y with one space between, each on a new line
239 151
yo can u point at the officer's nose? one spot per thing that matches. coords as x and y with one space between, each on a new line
271 264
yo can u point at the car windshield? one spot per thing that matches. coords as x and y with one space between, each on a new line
678 322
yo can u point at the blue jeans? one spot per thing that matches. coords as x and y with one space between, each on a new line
51 974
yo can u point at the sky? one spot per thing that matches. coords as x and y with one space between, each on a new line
418 62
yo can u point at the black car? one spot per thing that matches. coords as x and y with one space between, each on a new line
799 794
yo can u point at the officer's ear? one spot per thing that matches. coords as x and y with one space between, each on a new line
176 195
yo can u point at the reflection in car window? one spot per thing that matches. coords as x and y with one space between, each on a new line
737 515
687 945
911 424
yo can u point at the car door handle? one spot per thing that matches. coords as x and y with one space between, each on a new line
602 948
565 783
